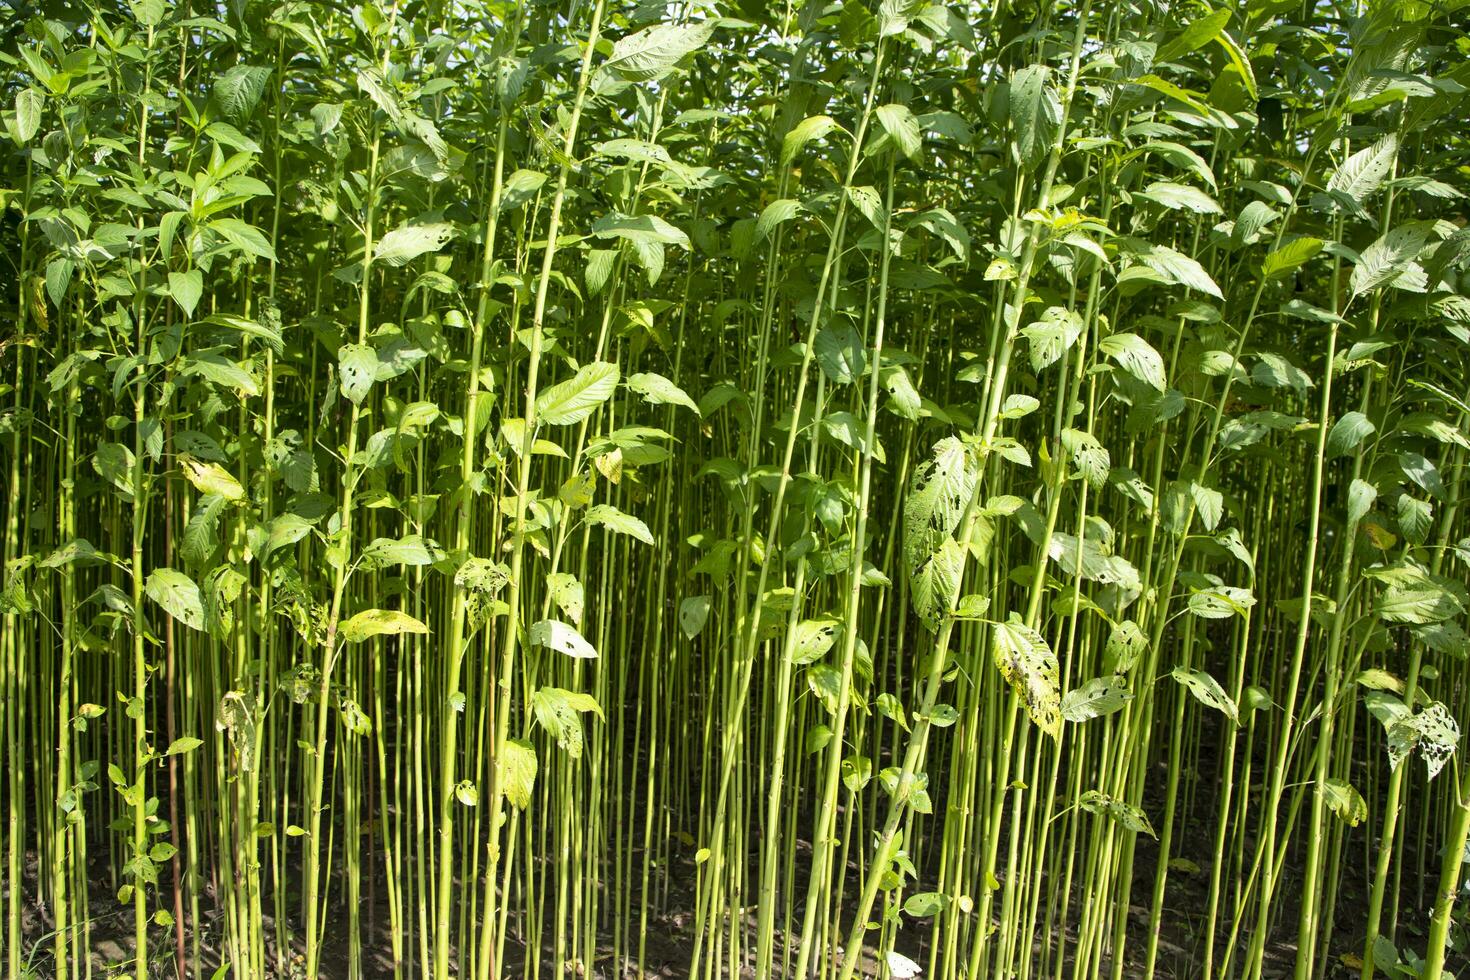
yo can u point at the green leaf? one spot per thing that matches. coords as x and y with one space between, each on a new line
1036 113
811 128
615 520
925 905
649 54
178 595
1200 32
238 90
380 622
1180 197
1348 433
243 237
840 353
659 390
572 401
186 743
520 187
1289 256
774 215
1209 503
186 288
643 228
1174 266
1361 496
1388 261
29 105
1417 604
404 244
902 128
1363 172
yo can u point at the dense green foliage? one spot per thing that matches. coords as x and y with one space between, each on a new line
505 490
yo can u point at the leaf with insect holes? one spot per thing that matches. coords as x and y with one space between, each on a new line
1029 666
482 575
178 595
357 365
380 622
1207 691
517 766
938 492
1433 732
1126 815
1136 356
812 638
558 636
1052 335
1088 455
568 594
693 614
900 967
1095 698
935 583
1345 801
559 712
210 478
1221 602
412 550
